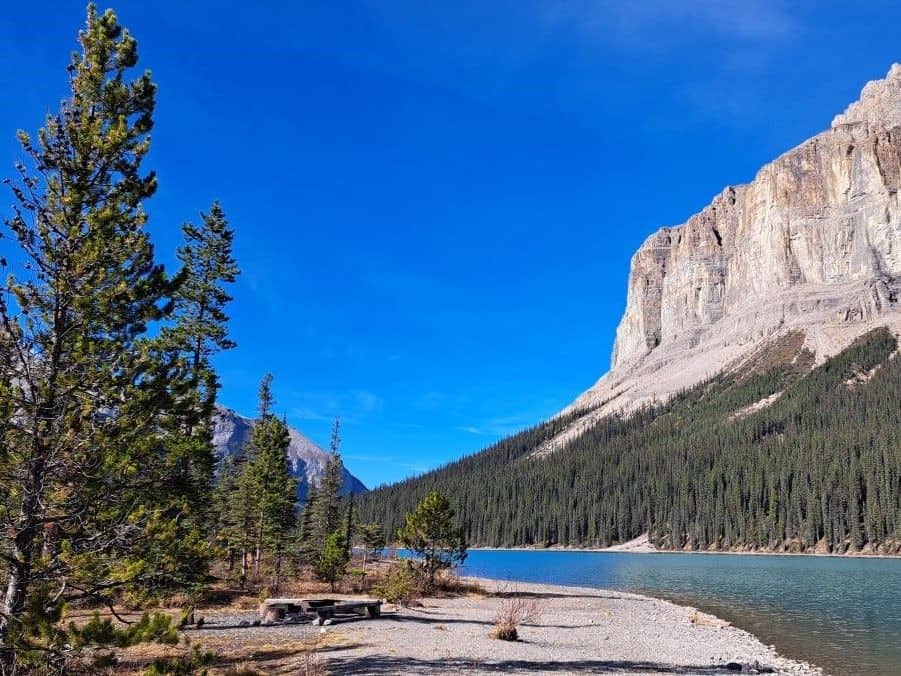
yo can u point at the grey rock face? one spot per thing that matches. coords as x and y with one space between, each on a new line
232 431
878 102
813 243
825 214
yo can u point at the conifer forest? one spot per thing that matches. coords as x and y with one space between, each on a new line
818 469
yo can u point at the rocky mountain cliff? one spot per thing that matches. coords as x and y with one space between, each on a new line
758 360
812 244
308 461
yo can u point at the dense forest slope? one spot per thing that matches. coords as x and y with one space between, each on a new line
780 455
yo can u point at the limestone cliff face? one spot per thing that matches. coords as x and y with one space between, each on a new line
813 243
824 214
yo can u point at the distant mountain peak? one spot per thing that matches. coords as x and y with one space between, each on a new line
231 431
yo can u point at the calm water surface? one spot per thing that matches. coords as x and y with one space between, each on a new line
842 614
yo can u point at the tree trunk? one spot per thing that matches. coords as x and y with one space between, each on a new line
13 600
19 569
259 548
26 526
278 571
349 526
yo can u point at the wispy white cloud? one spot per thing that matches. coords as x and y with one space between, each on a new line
434 400
649 24
387 460
500 426
366 401
262 294
350 405
737 42
757 20
306 413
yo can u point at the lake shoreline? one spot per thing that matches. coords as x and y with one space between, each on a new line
621 549
840 613
576 630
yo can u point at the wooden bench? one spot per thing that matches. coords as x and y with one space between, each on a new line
276 610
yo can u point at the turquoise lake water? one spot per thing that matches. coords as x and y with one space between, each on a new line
842 614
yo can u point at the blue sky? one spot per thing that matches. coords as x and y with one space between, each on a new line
436 202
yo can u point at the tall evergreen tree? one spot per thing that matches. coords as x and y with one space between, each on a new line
242 518
371 538
306 537
349 524
223 523
272 487
201 329
331 562
89 471
198 332
328 508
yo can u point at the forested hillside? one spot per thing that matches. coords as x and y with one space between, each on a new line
818 468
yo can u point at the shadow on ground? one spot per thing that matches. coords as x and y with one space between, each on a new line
390 664
560 595
424 617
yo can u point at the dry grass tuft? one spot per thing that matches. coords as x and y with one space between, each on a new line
513 611
243 669
449 582
312 665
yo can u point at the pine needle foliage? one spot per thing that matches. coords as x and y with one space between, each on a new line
266 485
102 486
324 507
322 516
82 384
200 330
431 533
330 563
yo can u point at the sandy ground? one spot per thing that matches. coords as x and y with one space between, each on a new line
577 631
641 544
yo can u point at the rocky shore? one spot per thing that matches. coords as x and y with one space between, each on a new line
576 630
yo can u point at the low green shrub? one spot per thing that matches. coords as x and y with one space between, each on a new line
399 585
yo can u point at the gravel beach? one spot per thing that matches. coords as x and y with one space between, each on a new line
576 631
